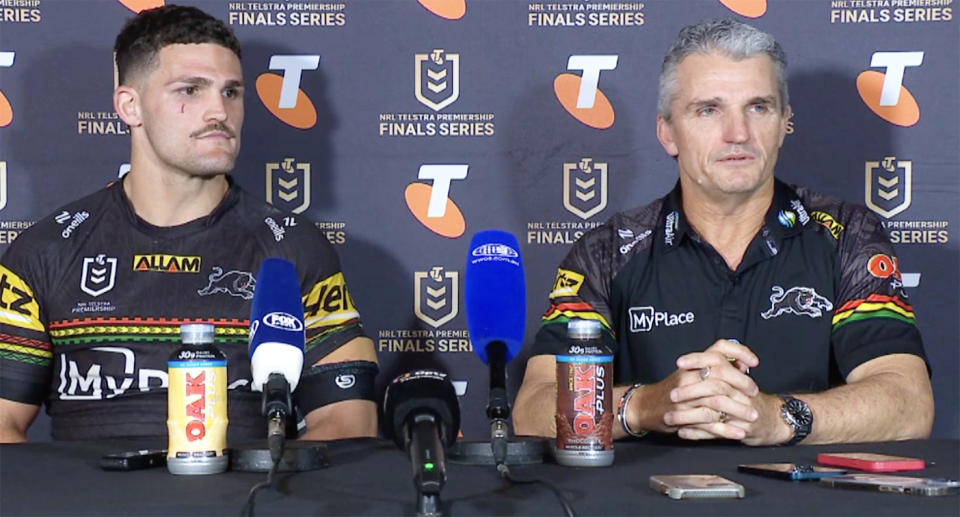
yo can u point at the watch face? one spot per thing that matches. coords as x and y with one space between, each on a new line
800 412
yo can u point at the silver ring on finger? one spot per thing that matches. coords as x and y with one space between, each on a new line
704 373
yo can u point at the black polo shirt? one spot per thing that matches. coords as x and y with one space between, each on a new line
817 294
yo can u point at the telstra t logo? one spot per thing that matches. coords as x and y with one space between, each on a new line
449 9
282 95
747 8
6 110
580 95
884 93
431 204
141 5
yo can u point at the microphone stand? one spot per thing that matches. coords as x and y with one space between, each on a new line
277 404
500 450
498 405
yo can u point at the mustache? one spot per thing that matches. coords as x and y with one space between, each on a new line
736 150
216 127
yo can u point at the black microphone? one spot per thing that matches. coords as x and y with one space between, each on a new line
495 302
422 415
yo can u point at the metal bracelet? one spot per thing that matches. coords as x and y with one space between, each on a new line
622 409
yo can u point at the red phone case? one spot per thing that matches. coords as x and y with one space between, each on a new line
870 462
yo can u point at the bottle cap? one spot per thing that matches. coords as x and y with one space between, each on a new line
196 333
583 329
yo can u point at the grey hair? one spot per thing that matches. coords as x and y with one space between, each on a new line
731 38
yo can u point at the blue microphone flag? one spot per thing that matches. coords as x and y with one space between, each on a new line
276 323
495 296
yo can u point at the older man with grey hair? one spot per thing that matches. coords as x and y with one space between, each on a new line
738 307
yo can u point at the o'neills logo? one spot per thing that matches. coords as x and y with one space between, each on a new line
888 186
283 321
161 263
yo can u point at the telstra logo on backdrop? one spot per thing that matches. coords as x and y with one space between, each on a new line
141 5
449 9
431 204
6 110
884 93
281 94
580 94
747 8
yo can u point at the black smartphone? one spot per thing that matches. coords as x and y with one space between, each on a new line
134 460
791 471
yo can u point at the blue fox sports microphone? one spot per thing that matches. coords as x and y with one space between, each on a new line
495 302
422 415
276 344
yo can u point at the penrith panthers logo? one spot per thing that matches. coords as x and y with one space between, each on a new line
234 283
796 300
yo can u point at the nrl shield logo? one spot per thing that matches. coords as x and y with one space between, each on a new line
888 186
584 187
289 184
436 295
99 274
437 79
3 185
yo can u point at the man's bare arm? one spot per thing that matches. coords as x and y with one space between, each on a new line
15 418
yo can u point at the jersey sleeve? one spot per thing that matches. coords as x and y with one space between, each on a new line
581 290
331 318
26 355
873 315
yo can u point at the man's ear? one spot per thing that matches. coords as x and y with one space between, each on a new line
665 135
787 114
126 102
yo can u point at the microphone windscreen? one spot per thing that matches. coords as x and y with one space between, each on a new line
419 392
276 324
495 296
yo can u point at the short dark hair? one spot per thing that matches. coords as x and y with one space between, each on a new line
144 35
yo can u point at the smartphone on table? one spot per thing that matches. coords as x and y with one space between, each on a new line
791 471
696 486
870 462
134 460
895 484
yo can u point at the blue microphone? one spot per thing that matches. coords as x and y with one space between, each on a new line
276 344
495 301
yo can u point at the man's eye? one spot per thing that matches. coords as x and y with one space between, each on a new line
188 90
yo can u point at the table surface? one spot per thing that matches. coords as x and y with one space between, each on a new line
371 477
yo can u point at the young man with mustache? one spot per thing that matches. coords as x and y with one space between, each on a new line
90 316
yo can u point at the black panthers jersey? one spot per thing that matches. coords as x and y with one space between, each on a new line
93 298
818 292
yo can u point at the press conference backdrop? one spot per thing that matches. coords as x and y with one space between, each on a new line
402 127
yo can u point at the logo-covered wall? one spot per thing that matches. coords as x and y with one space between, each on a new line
402 127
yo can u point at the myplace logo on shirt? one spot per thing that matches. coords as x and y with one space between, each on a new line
644 319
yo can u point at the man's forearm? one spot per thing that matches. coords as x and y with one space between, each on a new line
535 409
886 406
344 419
